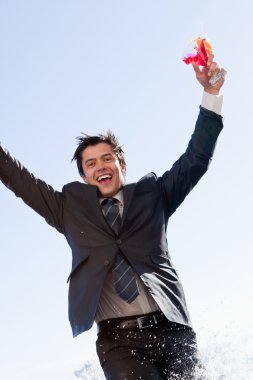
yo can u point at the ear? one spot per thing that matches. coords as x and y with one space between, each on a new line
123 168
83 177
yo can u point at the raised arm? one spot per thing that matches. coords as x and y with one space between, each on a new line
35 193
186 172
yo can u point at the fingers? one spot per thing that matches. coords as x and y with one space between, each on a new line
213 67
219 77
215 72
210 59
196 68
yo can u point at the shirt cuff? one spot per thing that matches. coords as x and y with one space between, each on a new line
212 102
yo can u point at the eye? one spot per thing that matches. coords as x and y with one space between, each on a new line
90 164
108 159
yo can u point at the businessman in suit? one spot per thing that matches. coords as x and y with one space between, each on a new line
122 276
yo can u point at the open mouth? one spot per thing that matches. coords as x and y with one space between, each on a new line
104 179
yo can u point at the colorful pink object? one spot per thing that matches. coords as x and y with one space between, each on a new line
203 50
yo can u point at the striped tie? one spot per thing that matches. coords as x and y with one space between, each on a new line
123 274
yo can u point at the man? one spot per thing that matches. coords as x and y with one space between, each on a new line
122 276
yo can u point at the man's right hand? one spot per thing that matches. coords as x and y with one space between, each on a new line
206 73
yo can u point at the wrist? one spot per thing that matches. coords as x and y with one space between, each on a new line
212 102
212 90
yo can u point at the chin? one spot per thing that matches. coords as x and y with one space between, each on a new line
106 193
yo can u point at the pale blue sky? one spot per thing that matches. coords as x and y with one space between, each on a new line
72 66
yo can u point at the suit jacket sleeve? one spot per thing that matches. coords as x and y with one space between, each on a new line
186 172
35 193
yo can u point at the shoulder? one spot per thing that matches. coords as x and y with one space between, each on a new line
148 178
77 187
147 182
72 185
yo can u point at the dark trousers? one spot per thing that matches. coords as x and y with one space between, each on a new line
166 351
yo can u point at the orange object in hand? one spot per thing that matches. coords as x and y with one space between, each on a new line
203 50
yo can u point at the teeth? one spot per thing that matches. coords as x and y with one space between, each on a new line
103 177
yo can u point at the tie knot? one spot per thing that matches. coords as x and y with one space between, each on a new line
110 201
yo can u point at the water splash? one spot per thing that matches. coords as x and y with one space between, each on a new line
90 371
227 354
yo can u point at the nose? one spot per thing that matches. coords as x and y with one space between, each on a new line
100 165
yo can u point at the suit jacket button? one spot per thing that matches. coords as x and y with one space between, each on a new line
118 241
107 262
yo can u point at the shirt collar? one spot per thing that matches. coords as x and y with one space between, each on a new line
118 196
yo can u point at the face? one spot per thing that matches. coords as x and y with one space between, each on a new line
102 168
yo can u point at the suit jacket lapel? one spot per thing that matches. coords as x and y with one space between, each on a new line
94 210
128 192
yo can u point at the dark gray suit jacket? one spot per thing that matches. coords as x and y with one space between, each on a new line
148 204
